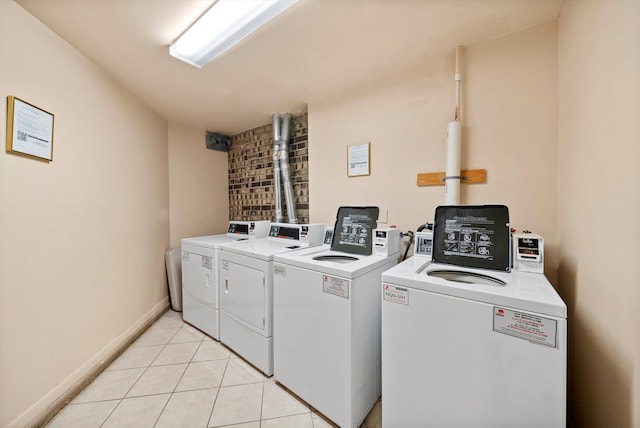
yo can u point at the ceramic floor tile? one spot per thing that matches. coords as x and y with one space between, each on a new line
138 412
173 315
192 329
136 357
188 409
166 322
203 374
110 385
276 402
237 404
158 380
211 350
86 415
246 425
159 336
176 353
320 422
192 381
296 421
187 334
239 372
374 418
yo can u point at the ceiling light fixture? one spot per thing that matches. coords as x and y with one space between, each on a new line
222 26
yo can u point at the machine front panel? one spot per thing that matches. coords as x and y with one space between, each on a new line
202 316
243 293
456 357
198 276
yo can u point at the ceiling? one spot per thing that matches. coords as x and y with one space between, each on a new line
314 50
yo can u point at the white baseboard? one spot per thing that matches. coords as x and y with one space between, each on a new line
38 413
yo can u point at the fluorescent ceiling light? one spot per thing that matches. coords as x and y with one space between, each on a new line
222 26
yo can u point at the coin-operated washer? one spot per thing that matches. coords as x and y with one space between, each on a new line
327 317
201 273
246 289
468 342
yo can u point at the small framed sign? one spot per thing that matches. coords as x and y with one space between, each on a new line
358 160
29 130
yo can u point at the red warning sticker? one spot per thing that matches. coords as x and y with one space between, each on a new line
531 327
336 286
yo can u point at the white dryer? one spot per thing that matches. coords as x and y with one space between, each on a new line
327 321
201 271
466 346
246 289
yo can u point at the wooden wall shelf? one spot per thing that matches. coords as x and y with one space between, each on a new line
469 176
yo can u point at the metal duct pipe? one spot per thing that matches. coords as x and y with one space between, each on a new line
276 169
287 120
276 126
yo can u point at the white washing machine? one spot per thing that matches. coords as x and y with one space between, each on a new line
471 347
201 271
327 325
246 289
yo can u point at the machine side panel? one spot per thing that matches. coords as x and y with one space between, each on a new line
366 342
292 342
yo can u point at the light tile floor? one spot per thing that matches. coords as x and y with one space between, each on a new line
175 376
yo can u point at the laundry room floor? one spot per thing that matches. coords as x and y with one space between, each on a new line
173 375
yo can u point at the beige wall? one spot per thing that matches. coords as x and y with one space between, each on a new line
550 115
599 208
82 238
198 185
510 117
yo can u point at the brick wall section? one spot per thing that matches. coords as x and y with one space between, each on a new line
251 193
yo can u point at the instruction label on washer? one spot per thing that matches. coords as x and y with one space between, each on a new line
207 262
279 270
337 286
533 328
396 294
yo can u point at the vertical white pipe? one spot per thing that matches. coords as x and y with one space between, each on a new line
457 78
452 173
454 145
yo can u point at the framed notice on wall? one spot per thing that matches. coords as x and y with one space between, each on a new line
358 159
29 130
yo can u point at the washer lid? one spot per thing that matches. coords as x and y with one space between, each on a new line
476 236
467 277
212 241
525 291
263 248
353 230
326 261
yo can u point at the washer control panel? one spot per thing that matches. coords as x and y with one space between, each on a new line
424 244
528 252
386 241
